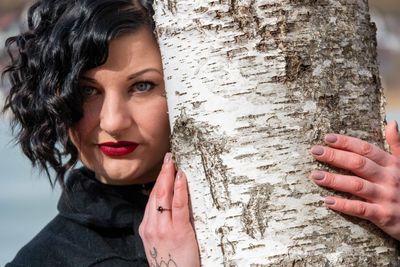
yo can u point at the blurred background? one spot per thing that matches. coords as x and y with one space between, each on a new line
27 201
386 15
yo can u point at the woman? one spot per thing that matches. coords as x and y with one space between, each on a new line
87 84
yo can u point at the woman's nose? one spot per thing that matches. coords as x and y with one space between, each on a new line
115 115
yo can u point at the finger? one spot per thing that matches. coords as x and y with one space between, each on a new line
146 213
180 203
359 165
349 184
155 224
148 218
164 190
359 147
357 208
150 202
393 138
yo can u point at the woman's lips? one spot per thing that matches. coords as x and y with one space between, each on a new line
117 149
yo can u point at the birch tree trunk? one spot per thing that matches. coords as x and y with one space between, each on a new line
251 86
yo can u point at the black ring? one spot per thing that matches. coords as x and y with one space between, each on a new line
160 209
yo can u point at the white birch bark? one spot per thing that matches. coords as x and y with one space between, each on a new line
251 86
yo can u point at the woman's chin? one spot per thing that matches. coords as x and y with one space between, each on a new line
118 177
126 172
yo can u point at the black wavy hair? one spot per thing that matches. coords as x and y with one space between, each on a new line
64 39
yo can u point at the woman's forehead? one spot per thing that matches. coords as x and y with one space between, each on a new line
130 53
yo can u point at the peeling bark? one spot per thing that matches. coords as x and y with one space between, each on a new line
251 86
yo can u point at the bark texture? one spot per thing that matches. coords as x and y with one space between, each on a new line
251 86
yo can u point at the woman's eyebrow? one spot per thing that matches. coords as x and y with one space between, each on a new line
130 77
88 79
136 74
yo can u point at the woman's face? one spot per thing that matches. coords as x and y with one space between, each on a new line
124 132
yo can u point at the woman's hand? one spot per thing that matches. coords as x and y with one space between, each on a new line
166 231
376 179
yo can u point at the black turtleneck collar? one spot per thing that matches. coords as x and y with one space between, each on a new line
87 201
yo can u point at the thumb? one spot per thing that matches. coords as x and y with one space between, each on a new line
393 138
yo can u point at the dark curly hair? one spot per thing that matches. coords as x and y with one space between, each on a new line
64 39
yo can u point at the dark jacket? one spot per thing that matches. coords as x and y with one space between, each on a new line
97 225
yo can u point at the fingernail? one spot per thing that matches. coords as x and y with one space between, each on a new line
179 174
330 138
317 150
329 201
167 157
317 175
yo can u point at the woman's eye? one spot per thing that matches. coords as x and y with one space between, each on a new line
88 91
143 86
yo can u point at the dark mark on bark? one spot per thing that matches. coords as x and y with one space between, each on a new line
296 66
255 213
351 260
171 4
330 102
227 247
191 137
245 17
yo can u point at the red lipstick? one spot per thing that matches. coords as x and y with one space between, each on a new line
117 149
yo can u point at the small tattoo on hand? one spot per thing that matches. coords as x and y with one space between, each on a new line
161 263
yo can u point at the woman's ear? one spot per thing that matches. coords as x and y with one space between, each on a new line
73 136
